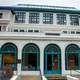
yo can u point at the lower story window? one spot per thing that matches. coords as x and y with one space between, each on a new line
72 62
9 59
30 57
72 57
30 62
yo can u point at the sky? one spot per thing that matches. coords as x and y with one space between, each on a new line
66 3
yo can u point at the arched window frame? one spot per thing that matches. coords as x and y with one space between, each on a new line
75 50
10 48
56 50
26 51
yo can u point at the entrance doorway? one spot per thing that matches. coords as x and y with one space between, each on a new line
52 59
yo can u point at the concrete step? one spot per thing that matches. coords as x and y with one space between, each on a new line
77 76
56 77
29 78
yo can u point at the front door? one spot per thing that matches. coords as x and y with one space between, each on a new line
52 63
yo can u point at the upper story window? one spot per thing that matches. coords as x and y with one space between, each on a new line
74 20
77 32
21 30
34 18
0 28
30 30
47 18
72 32
61 19
20 17
15 30
36 31
1 15
65 32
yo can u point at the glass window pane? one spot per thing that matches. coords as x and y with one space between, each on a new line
21 30
49 62
61 19
34 18
47 18
72 57
20 17
15 30
74 20
32 61
9 58
1 15
55 62
9 55
73 61
0 28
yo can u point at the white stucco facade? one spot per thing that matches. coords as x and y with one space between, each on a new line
20 39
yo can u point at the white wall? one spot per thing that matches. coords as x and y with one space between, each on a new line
6 14
41 44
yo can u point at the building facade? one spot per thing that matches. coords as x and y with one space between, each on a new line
36 38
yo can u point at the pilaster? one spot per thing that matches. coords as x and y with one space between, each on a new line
27 18
41 18
19 58
42 58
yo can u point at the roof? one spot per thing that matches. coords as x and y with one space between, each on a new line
45 6
41 8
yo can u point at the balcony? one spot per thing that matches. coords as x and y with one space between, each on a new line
5 16
4 21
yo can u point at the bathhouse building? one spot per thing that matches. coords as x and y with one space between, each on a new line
38 39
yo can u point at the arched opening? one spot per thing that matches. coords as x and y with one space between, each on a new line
9 54
30 57
72 57
52 59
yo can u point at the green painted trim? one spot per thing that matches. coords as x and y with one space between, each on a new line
67 52
7 48
41 8
47 10
25 51
52 53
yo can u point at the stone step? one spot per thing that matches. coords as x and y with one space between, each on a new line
29 78
77 76
58 77
54 78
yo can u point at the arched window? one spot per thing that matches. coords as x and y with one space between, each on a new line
30 57
52 56
9 54
72 57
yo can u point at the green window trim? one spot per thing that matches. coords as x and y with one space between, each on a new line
9 48
28 49
72 49
52 49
